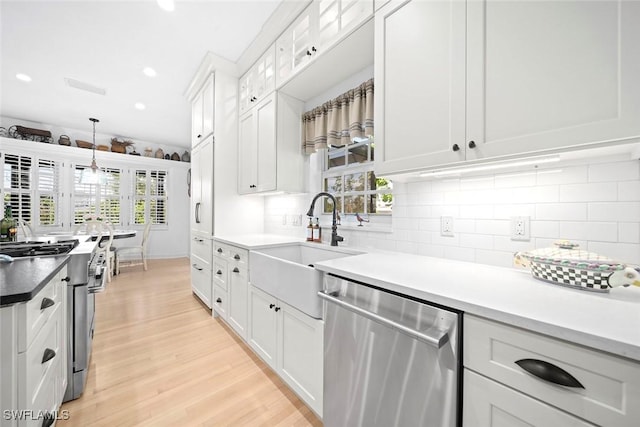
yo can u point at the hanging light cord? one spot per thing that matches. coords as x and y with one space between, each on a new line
94 166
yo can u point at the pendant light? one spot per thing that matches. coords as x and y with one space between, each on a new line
93 175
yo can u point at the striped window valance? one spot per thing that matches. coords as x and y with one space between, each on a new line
337 122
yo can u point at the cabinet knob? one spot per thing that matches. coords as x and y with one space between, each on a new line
313 49
219 272
66 279
252 186
46 303
198 136
455 147
472 144
48 355
277 308
235 270
271 305
308 53
196 267
219 301
219 250
236 257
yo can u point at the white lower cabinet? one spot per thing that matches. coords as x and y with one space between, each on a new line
231 286
238 294
515 377
33 372
488 403
290 342
201 260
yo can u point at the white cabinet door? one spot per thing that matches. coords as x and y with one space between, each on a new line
295 47
338 17
258 148
490 404
262 325
265 122
202 188
420 79
201 283
247 154
196 119
300 353
547 75
238 301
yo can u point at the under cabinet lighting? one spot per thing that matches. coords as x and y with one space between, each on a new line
140 106
23 77
167 5
490 167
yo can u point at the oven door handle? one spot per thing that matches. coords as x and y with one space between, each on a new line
99 283
434 337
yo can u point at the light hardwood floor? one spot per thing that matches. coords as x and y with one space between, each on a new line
160 359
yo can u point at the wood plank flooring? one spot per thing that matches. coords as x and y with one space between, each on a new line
160 359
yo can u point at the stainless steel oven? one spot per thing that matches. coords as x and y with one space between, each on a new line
85 270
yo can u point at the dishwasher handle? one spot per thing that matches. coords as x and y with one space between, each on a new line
436 339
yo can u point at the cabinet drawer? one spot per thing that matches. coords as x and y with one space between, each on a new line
220 273
490 404
36 312
202 248
237 257
611 384
40 363
220 301
201 282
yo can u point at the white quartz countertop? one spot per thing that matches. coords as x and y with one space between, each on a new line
608 322
257 241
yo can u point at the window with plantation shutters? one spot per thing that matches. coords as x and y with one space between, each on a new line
48 176
110 196
97 200
149 201
17 185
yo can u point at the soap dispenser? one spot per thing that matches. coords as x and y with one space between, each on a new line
317 232
310 231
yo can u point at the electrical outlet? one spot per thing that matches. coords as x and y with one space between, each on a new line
520 228
446 225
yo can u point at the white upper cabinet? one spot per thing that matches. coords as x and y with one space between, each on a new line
318 27
420 78
258 82
202 112
270 150
488 79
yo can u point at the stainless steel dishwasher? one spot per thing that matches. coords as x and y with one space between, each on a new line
388 360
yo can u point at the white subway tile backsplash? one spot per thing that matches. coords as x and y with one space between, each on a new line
461 254
563 175
629 191
592 202
526 179
623 252
480 241
499 258
561 211
618 171
592 192
476 211
549 229
614 211
629 232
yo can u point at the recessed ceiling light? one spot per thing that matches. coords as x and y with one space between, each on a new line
23 77
167 5
149 72
140 106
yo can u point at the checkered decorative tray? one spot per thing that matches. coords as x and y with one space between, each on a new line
568 266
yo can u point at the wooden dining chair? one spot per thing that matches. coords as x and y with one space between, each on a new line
140 249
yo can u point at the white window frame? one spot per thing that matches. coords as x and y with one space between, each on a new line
97 196
150 198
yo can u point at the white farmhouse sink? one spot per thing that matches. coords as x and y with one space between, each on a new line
287 273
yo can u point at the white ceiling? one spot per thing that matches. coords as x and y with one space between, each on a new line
106 44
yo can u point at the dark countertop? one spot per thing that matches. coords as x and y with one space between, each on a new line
22 279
